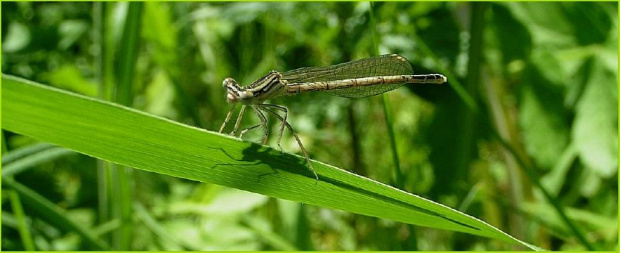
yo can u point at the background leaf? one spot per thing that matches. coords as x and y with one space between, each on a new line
525 125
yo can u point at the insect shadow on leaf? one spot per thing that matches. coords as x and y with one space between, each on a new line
255 155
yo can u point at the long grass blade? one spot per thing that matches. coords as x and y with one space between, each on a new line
53 214
131 138
22 226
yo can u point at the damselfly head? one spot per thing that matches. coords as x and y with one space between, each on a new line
232 90
235 93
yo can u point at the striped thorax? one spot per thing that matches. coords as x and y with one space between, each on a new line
266 87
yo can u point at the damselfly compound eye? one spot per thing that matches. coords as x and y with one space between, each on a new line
229 82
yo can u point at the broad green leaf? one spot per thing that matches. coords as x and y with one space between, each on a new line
228 202
69 77
159 230
262 229
135 139
593 222
159 95
158 30
595 129
546 22
556 177
70 32
543 118
17 38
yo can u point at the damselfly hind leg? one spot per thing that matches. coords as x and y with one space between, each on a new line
301 146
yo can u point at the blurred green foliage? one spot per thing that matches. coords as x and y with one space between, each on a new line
547 84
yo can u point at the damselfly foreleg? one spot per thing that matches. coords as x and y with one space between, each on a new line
230 113
301 146
238 123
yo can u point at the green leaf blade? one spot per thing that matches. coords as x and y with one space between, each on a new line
132 138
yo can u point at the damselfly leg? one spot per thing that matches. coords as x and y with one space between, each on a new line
258 112
230 113
283 109
258 108
263 123
301 146
238 123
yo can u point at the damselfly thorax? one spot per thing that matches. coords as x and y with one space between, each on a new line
355 79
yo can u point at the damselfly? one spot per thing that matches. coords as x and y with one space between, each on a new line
355 79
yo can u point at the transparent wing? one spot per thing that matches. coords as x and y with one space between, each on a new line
385 65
